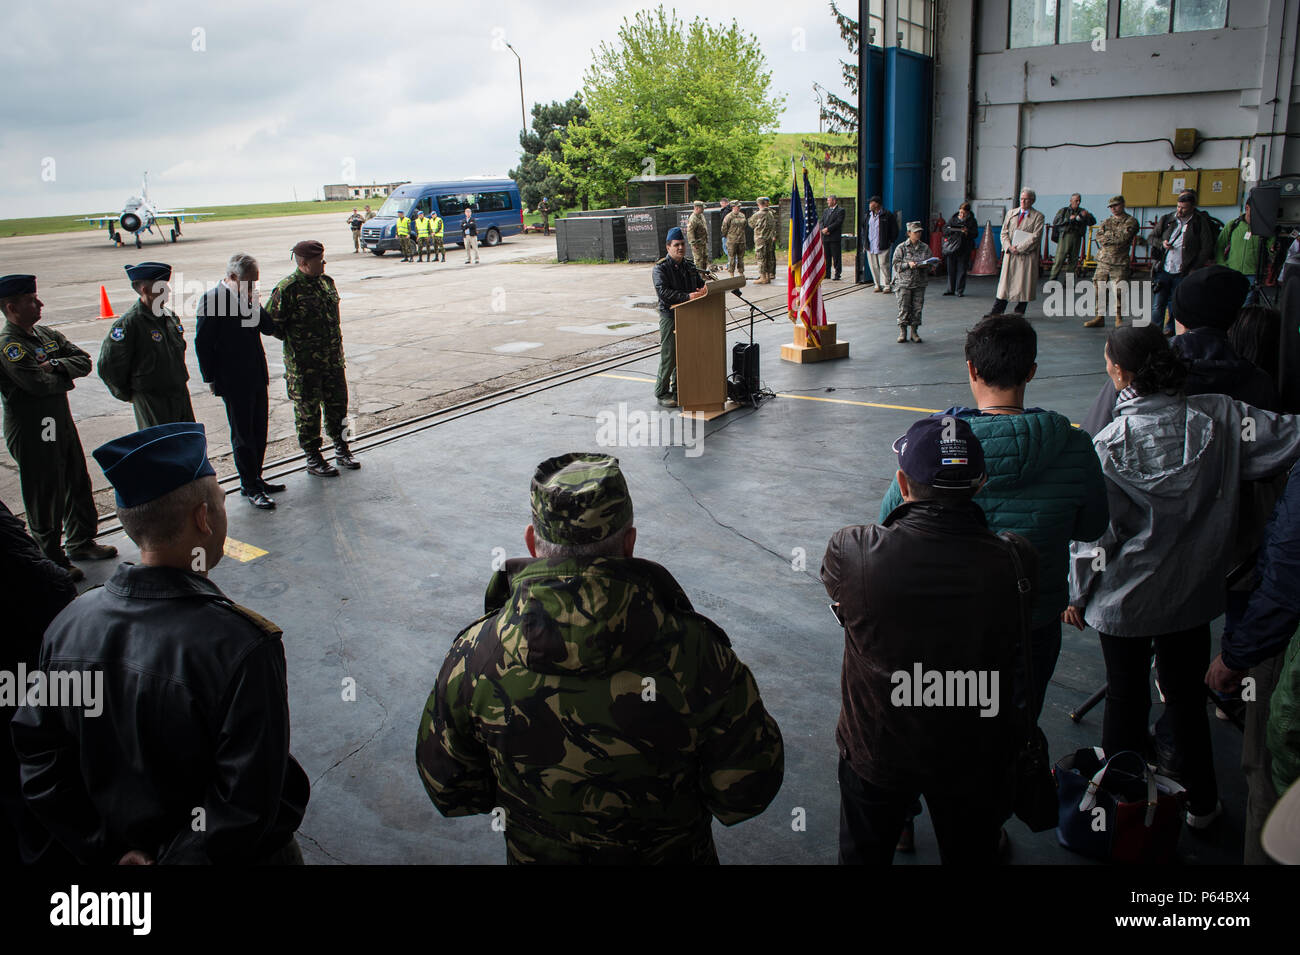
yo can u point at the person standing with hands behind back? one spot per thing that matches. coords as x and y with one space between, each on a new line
469 232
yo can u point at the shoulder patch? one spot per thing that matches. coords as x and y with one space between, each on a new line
117 334
257 620
180 329
15 352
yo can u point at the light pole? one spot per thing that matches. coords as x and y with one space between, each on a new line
522 116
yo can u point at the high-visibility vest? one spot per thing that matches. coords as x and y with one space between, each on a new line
422 228
403 226
437 226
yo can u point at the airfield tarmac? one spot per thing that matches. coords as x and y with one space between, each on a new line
417 337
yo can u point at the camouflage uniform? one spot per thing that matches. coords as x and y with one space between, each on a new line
143 361
909 284
697 236
1114 240
733 230
305 312
763 222
55 484
607 719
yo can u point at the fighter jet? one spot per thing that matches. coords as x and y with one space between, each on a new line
139 215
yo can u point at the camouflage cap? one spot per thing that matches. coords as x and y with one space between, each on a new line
579 498
1116 201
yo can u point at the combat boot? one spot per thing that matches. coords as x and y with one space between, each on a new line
317 465
343 456
1097 322
92 551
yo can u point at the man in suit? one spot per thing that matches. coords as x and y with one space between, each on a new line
1019 280
832 227
229 348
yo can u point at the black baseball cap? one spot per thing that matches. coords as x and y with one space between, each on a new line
942 452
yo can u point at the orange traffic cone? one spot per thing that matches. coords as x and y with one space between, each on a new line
105 306
986 259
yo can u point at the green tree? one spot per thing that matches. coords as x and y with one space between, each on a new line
840 157
536 179
674 98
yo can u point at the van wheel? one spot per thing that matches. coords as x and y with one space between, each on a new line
377 251
492 238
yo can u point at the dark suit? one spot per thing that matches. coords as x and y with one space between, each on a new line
229 348
833 223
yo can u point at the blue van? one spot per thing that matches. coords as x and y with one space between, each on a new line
495 202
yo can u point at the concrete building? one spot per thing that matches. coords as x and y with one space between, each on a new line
1020 84
373 191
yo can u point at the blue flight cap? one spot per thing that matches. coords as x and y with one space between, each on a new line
675 233
17 285
148 272
144 466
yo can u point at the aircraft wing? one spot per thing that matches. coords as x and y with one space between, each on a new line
113 218
181 214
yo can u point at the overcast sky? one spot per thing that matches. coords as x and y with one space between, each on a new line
282 97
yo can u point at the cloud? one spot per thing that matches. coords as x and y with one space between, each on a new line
247 102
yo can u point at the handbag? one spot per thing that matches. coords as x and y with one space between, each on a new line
1035 798
1117 809
952 244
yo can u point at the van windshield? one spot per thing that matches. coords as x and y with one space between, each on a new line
396 204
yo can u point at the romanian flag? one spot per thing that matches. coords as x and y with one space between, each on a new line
794 260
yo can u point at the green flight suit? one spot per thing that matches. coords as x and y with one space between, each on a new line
143 361
38 371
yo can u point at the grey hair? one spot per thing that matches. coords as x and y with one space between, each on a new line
158 523
1033 196
240 264
611 546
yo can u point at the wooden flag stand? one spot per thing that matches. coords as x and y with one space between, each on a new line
700 327
802 351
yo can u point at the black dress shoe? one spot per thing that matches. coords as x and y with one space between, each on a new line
343 456
272 488
319 466
949 293
259 499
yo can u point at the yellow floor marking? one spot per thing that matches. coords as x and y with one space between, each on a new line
242 552
834 401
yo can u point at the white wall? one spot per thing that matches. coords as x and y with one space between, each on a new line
1136 88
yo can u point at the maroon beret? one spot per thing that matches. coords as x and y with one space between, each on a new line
309 249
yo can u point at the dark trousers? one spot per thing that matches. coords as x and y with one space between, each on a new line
1000 306
246 410
958 265
966 822
1181 661
834 264
1165 286
666 379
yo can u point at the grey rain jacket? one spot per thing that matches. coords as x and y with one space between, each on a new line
1173 468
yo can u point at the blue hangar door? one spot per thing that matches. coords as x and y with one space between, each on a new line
896 105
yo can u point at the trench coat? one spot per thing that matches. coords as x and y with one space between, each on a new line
1019 280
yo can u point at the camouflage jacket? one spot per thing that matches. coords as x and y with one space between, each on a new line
763 222
733 226
697 230
24 381
918 277
305 312
144 353
1115 238
601 714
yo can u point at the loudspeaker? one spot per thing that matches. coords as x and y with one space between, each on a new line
1265 203
744 371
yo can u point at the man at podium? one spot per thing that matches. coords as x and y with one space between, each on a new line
676 281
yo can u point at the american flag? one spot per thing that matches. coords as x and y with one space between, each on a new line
814 263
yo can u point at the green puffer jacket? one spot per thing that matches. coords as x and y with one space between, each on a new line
1044 483
1284 720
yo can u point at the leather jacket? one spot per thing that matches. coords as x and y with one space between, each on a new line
193 728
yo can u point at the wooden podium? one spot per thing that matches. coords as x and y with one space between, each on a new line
700 326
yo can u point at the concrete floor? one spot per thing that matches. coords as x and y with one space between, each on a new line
417 336
372 574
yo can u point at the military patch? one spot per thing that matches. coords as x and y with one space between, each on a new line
39 353
156 335
117 334
180 329
14 352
